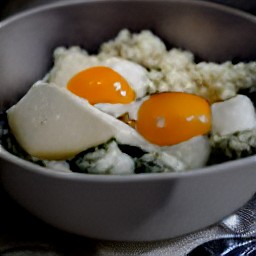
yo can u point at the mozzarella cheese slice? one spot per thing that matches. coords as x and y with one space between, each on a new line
51 123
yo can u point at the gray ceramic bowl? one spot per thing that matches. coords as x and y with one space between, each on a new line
136 207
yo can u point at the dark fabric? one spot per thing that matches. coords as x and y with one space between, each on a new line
227 247
23 234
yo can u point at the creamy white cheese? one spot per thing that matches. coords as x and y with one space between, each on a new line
50 122
233 115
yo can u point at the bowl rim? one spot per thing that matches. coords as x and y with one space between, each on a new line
207 170
65 3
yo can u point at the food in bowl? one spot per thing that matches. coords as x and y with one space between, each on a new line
135 107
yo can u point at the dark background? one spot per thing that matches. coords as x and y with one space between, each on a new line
9 7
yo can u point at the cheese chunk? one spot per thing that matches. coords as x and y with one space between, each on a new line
235 114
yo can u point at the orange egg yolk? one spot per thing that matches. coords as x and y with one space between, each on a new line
170 118
101 85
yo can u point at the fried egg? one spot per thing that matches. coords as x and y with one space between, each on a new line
115 87
101 84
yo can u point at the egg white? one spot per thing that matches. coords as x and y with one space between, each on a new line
133 73
117 110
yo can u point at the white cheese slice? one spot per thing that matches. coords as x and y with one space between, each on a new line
51 123
235 114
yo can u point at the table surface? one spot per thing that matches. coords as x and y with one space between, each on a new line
20 232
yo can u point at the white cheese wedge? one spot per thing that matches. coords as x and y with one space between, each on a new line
235 114
51 123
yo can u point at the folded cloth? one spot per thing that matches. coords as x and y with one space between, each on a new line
241 237
175 247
